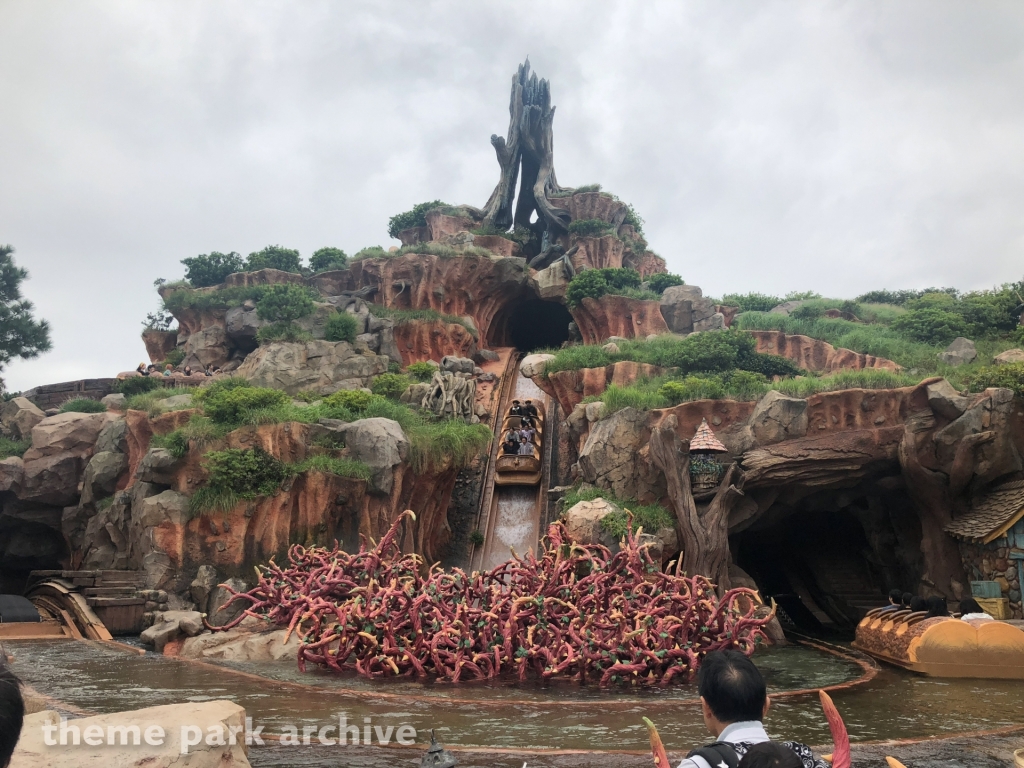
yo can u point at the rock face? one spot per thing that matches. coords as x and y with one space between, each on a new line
816 355
599 319
241 645
418 340
613 457
173 719
571 387
583 522
323 366
533 365
959 352
686 310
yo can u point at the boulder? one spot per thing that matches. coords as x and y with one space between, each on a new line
114 400
454 364
685 310
551 282
324 366
959 352
207 346
533 365
241 645
610 456
583 521
174 403
611 348
787 307
380 444
74 433
1009 356
191 626
777 418
202 585
945 400
160 634
219 616
174 720
12 470
19 416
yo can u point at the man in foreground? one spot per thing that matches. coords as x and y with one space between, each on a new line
734 701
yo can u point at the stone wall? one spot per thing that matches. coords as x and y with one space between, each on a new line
991 562
52 395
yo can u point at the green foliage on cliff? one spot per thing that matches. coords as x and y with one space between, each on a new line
82 405
390 385
702 352
751 302
10 447
421 371
663 280
595 283
136 385
590 228
1010 376
416 217
285 303
233 405
282 331
332 465
274 257
185 298
341 326
324 259
211 268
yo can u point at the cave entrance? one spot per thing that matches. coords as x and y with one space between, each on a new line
818 566
536 324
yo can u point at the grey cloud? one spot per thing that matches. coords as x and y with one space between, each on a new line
769 146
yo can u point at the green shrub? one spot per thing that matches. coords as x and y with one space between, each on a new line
650 517
330 465
146 401
930 325
82 405
476 538
663 280
692 388
371 252
451 442
766 365
390 385
282 331
421 371
355 400
221 385
232 406
595 283
324 259
184 298
341 326
211 268
284 303
197 433
634 219
174 357
590 228
274 257
1009 376
897 298
10 447
417 217
136 385
751 302
808 312
236 474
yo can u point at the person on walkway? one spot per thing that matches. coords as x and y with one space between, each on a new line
529 409
12 713
142 370
525 447
969 610
188 370
734 701
207 371
168 370
937 607
516 409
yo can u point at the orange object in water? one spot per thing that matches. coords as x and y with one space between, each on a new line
657 748
840 738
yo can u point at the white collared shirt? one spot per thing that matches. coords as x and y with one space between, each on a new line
744 732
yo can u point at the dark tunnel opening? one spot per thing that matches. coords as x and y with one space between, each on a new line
536 324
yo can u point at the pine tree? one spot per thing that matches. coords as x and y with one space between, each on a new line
21 335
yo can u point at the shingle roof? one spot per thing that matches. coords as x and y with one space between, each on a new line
991 515
705 440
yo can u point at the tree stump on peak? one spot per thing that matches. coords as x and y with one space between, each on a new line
529 146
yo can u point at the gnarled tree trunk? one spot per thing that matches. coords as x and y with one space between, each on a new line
705 537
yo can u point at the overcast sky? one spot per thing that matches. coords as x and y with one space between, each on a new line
770 146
